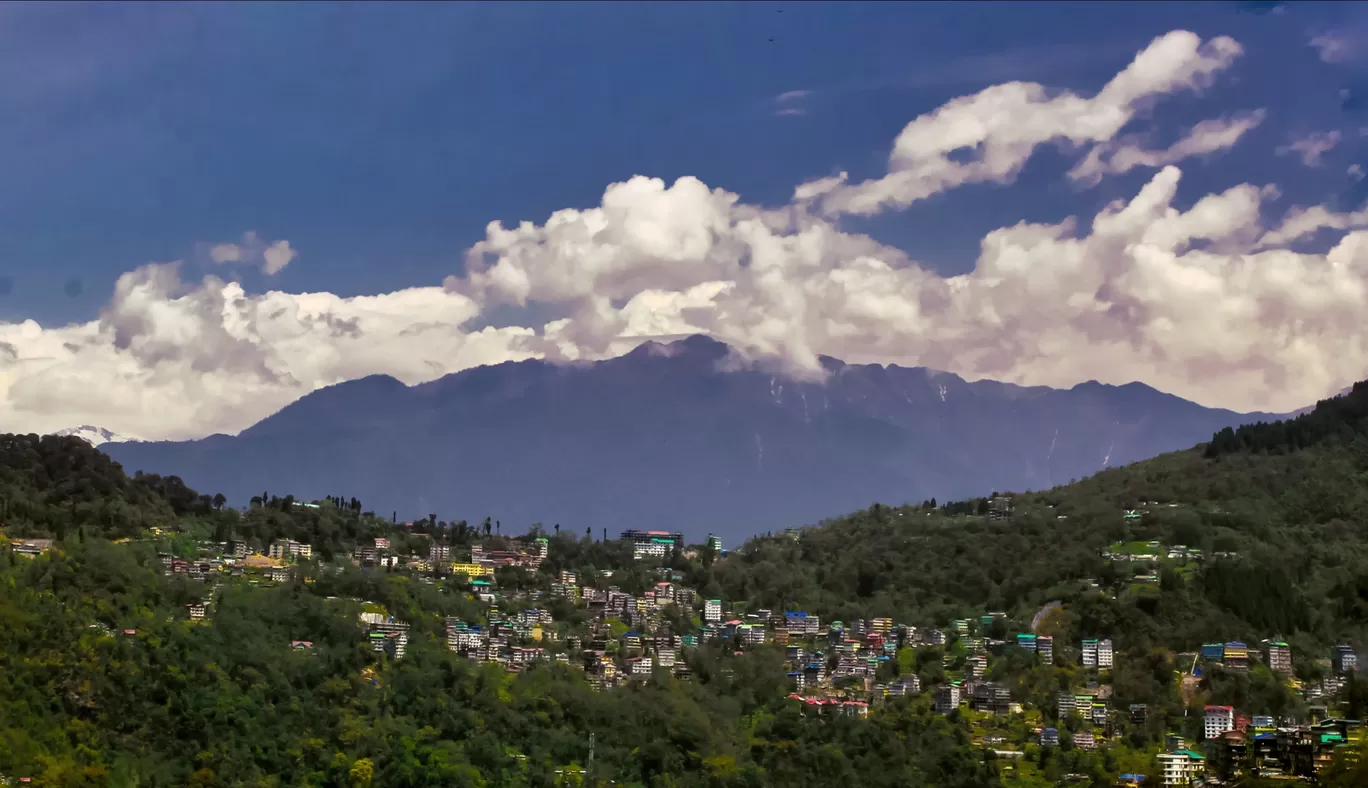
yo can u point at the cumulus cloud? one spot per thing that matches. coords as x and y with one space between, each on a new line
1203 301
1311 147
173 359
1335 47
1209 136
996 130
252 250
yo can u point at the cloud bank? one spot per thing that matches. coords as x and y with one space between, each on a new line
1206 302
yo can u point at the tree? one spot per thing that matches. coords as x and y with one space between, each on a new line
219 500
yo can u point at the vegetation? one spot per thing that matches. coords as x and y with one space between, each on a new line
106 682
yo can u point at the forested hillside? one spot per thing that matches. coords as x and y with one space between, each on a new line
107 682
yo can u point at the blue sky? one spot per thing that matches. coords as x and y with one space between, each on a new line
369 146
381 139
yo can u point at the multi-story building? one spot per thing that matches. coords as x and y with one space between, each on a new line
976 666
1089 649
1085 740
1236 655
653 544
992 697
948 697
1027 641
197 611
1104 654
286 548
715 543
1049 737
1345 659
712 610
1064 704
1217 720
1180 768
1278 657
1045 649
439 552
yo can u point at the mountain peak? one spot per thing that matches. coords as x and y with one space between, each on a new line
95 436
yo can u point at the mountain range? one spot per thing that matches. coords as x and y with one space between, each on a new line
678 436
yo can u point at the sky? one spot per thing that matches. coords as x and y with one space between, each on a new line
210 210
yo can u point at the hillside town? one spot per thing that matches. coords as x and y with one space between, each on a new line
834 667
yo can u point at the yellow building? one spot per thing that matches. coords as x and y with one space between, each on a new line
472 570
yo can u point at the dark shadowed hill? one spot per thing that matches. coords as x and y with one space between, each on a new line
671 436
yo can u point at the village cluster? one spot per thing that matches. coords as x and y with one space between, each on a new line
834 667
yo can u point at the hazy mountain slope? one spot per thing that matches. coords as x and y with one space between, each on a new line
673 437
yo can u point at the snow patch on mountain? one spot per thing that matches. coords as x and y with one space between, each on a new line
95 436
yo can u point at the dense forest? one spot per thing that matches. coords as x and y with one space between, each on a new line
106 682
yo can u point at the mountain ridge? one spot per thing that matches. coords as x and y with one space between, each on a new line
677 436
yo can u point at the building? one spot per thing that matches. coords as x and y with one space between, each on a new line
948 698
1000 507
1345 659
1236 655
1044 646
1214 652
671 541
287 548
1049 737
197 611
992 697
1180 768
1217 720
439 552
472 570
712 610
1028 642
976 666
543 547
1104 654
715 544
1064 704
1085 740
1278 657
1089 649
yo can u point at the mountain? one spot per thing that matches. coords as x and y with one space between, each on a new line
678 436
95 436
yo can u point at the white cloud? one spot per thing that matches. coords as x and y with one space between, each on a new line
1206 137
1001 127
271 257
170 359
1204 302
1334 47
791 96
1311 147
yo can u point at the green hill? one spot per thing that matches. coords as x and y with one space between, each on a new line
107 682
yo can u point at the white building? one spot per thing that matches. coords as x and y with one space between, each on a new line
1104 654
1217 720
642 550
712 610
1179 768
